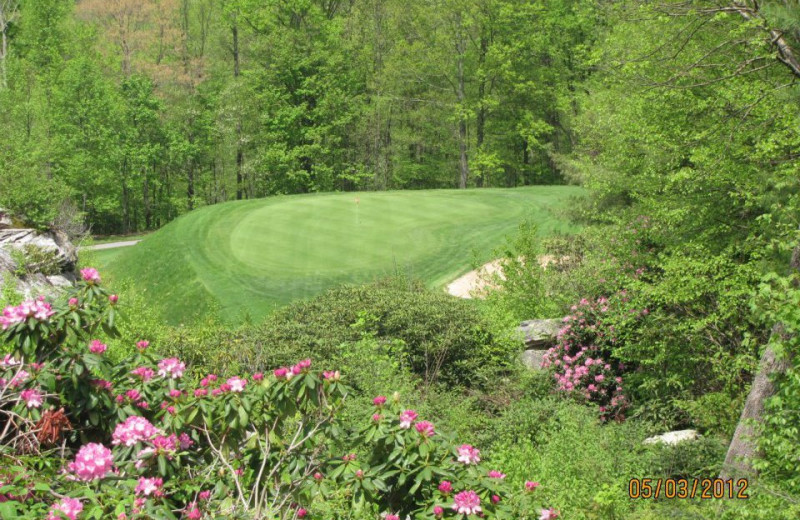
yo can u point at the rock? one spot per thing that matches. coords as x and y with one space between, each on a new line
540 334
533 358
673 438
5 219
33 284
57 242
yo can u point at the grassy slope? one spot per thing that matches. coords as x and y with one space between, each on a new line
253 256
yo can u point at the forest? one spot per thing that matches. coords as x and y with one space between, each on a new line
135 111
299 184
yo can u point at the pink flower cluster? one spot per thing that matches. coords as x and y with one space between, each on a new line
69 507
38 309
425 428
32 398
580 359
146 373
467 503
171 367
288 373
134 429
407 417
149 486
90 275
95 347
469 454
93 461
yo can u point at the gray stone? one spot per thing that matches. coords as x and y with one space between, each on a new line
35 284
533 358
5 219
540 334
54 241
673 438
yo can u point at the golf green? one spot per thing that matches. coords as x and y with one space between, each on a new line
250 257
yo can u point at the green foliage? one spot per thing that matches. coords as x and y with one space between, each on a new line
34 259
438 337
779 300
520 291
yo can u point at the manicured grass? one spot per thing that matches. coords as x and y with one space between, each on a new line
254 256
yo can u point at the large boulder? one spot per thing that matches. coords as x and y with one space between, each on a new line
30 281
540 334
52 241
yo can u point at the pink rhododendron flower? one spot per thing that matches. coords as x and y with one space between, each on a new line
495 499
280 373
391 516
496 474
134 429
185 441
200 392
258 376
70 507
192 512
425 428
406 418
142 345
331 375
18 379
90 275
32 398
467 503
93 461
301 513
318 476
204 495
530 485
38 309
359 474
133 394
548 514
149 486
113 299
146 373
468 454
236 384
9 361
73 302
95 347
144 405
438 511
171 367
376 417
379 401
446 487
301 367
174 393
102 384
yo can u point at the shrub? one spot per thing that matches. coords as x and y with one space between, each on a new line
140 440
442 338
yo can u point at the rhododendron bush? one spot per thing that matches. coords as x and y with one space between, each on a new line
81 437
583 361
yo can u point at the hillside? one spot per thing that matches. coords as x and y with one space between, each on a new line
254 256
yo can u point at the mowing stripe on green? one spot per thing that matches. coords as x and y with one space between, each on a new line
254 256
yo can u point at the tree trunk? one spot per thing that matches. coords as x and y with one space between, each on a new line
239 149
462 121
744 445
480 128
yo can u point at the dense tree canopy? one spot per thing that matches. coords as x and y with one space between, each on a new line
136 111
